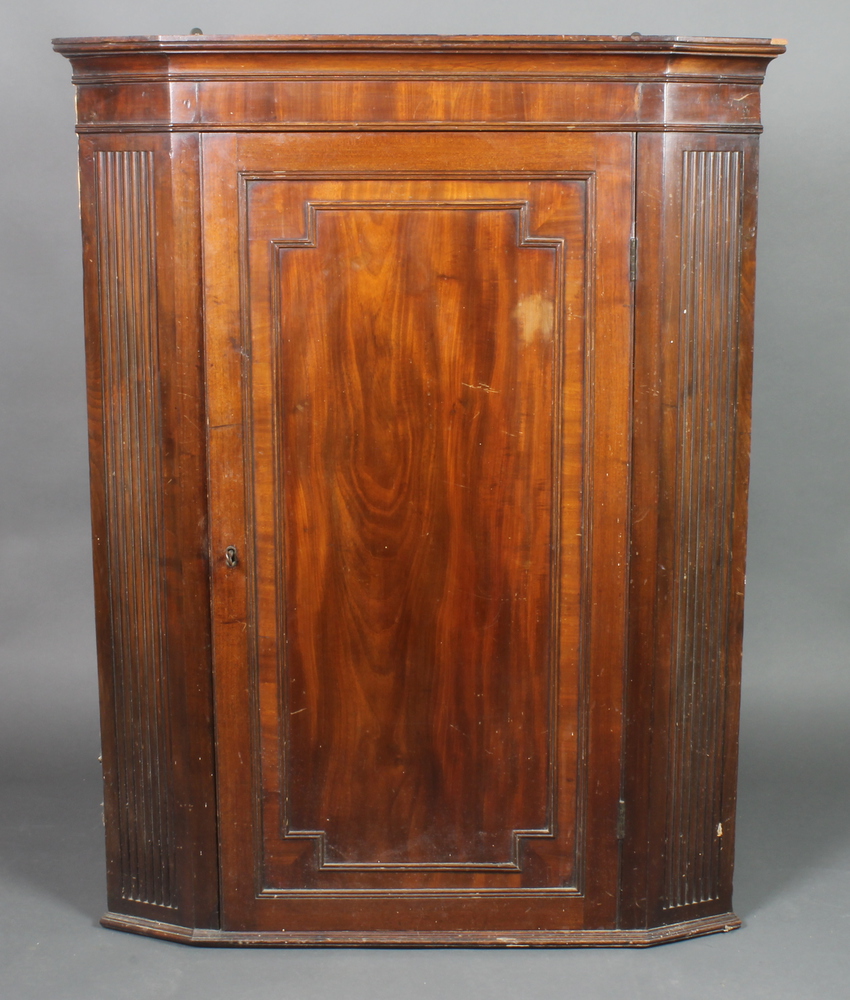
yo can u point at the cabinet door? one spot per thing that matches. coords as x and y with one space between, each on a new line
419 357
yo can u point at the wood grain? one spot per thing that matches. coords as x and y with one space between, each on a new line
418 354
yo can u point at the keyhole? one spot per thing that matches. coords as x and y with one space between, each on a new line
231 556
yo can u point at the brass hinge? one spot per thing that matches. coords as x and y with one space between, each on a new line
621 820
633 244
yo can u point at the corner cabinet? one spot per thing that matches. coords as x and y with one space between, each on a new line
419 394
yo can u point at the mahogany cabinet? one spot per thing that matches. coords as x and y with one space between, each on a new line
419 388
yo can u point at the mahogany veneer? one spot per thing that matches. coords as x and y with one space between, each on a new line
419 381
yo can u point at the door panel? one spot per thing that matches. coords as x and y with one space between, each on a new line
419 361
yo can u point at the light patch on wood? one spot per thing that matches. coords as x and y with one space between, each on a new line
535 316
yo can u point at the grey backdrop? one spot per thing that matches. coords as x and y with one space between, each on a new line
793 869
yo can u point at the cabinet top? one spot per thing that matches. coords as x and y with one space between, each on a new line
204 83
634 43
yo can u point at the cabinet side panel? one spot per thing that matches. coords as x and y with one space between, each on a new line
139 206
692 413
708 333
127 299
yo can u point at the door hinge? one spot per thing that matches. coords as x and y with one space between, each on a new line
633 247
621 819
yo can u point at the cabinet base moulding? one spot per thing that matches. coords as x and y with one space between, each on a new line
614 938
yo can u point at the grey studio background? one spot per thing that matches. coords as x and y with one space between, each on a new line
793 855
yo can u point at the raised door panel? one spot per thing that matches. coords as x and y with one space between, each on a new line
404 336
419 448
